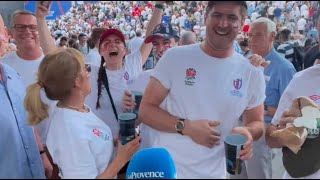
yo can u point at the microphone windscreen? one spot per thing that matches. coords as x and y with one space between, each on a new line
151 163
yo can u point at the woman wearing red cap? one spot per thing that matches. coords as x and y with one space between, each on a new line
116 71
80 143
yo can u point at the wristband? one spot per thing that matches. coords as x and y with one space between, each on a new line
43 151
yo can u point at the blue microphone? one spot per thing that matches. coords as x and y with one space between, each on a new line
151 163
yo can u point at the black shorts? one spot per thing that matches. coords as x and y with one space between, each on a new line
123 170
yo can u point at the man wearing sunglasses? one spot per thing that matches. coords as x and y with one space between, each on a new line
28 56
26 61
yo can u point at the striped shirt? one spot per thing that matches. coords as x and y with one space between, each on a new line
286 50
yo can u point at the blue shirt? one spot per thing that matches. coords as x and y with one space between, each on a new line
19 153
251 8
237 47
277 12
277 75
314 33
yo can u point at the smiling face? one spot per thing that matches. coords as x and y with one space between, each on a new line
113 50
161 45
223 23
260 40
26 37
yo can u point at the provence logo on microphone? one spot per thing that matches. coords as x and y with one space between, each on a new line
139 175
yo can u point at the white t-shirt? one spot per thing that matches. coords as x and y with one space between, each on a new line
147 133
304 11
196 29
118 83
93 57
204 87
135 43
197 15
254 16
173 19
182 20
28 70
301 24
302 84
80 144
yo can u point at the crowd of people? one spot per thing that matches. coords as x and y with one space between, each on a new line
63 84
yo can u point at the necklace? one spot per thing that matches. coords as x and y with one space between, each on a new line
85 109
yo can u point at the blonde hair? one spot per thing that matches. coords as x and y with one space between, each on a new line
18 13
56 75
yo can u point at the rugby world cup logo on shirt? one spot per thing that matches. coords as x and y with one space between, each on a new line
97 133
315 98
126 76
237 84
190 76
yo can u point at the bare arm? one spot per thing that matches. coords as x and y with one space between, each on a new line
112 169
46 41
272 141
253 121
156 17
47 164
271 111
150 113
124 154
275 142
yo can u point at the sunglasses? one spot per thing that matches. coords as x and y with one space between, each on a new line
87 67
22 27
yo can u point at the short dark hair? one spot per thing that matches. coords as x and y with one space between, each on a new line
96 33
138 33
63 38
244 43
243 5
74 36
82 35
285 34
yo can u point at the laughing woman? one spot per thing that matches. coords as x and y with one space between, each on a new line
79 142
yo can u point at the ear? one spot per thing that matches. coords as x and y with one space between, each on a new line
6 35
205 18
273 36
77 82
242 24
126 50
10 32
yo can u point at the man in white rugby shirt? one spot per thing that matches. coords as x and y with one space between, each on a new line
201 95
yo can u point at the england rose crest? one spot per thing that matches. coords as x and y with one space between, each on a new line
190 76
191 73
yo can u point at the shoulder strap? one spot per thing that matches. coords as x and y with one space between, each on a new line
106 84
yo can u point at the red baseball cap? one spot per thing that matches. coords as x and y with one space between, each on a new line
109 32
